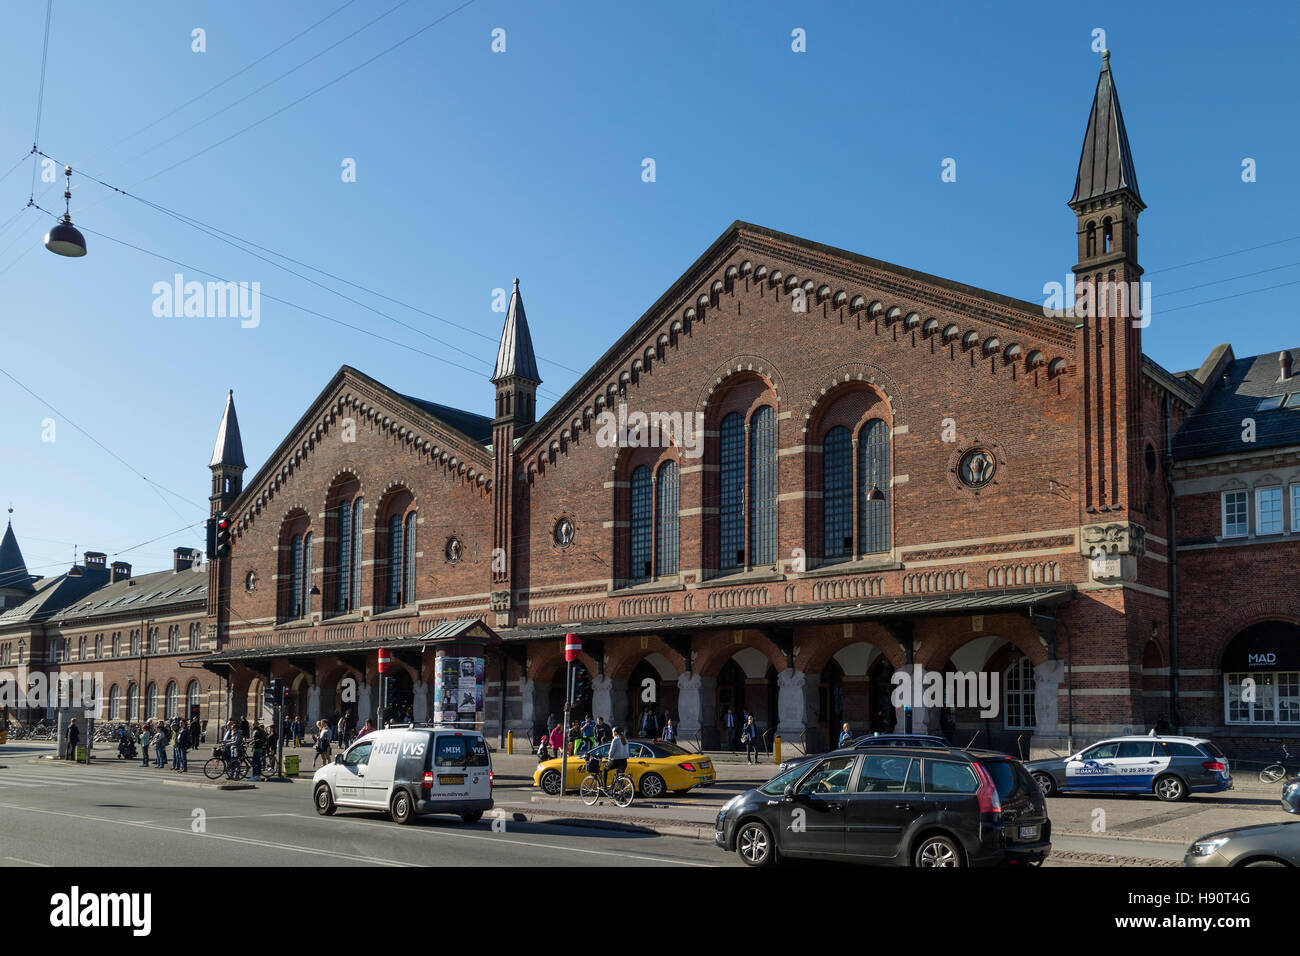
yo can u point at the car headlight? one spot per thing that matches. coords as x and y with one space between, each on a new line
1206 847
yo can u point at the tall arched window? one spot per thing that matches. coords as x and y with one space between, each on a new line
342 586
173 700
133 702
873 487
115 703
151 701
135 643
81 648
1018 697
117 643
343 583
666 506
355 601
174 639
408 565
196 631
153 640
731 488
641 526
99 647
304 592
295 577
191 697
837 493
762 486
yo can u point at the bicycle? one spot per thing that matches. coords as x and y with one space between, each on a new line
621 791
219 765
1277 771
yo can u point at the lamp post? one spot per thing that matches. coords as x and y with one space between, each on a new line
572 651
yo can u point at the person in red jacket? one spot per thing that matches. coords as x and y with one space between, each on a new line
557 739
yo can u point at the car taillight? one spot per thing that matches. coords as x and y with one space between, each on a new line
428 780
1215 766
989 801
687 766
492 775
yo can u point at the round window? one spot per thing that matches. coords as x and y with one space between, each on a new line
977 468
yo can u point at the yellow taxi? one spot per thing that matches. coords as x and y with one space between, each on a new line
655 768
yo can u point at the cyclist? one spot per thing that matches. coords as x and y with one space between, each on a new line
233 744
618 754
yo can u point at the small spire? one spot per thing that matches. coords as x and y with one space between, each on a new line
1105 61
229 449
1106 160
515 355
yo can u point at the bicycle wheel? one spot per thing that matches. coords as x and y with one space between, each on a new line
215 768
1272 774
590 790
623 791
245 769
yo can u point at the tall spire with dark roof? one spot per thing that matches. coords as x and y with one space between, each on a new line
13 569
515 355
1106 162
229 450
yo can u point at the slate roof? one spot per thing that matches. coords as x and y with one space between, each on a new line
13 569
515 355
470 424
72 600
1215 428
53 594
1106 161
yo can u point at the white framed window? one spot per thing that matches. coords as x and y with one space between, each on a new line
1268 511
1262 697
1295 507
1018 695
1236 507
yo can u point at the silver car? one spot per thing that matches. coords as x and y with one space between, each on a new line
1267 844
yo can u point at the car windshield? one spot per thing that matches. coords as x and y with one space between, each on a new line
1005 777
776 786
668 750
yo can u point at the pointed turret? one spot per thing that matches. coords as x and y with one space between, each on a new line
1106 162
13 569
229 449
515 356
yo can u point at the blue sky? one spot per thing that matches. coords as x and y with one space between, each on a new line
473 167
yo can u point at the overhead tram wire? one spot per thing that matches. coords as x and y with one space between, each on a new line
1244 275
40 95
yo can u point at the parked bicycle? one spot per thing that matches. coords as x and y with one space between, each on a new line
1276 771
621 791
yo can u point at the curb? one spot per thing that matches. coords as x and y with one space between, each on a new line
677 828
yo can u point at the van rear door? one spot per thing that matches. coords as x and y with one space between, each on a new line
459 769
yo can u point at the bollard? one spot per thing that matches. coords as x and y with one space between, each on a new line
510 741
776 749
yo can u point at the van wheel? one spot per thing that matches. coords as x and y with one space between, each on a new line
1045 783
473 816
400 808
324 800
1170 788
652 785
937 851
551 783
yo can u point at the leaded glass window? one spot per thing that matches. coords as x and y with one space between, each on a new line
356 554
408 587
731 487
304 591
640 526
343 586
762 487
394 560
837 493
666 519
873 487
295 578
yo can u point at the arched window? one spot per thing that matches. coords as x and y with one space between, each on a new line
196 631
115 703
133 702
191 697
304 594
408 566
873 487
641 526
135 643
762 486
1018 696
296 577
153 640
81 649
99 647
151 701
666 506
343 553
173 700
731 487
117 643
837 493
174 639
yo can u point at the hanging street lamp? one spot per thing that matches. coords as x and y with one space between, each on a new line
65 239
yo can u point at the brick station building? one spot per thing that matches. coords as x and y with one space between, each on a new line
895 471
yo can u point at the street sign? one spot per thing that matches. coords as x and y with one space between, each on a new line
384 660
572 647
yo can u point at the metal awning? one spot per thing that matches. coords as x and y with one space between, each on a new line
937 605
470 628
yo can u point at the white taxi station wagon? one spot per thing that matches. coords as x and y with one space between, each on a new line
409 771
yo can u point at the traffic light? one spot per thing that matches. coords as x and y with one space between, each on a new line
222 534
284 697
272 694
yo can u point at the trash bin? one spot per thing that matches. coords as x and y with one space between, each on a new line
81 755
291 765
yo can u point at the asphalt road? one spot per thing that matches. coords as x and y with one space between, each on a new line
115 813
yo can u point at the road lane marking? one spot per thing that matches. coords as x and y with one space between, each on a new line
266 844
28 862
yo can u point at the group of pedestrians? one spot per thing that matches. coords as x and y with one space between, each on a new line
742 731
587 734
264 741
181 735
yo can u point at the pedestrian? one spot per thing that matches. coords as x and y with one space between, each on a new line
366 728
557 739
259 749
146 738
272 760
729 730
233 742
670 731
196 733
749 737
295 730
588 732
243 726
322 743
845 737
180 752
649 724
160 746
543 748
603 734
342 730
74 738
550 723
1162 728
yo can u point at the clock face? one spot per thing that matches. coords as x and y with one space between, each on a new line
564 532
977 468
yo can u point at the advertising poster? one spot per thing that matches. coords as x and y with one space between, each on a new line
458 690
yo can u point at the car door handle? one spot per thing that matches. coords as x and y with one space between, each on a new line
902 806
834 806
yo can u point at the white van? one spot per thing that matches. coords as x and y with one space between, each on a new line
409 771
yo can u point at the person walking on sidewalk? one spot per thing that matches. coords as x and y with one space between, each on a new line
322 743
649 724
181 751
670 731
295 730
160 747
146 738
602 732
749 737
557 739
196 734
74 738
729 730
259 749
